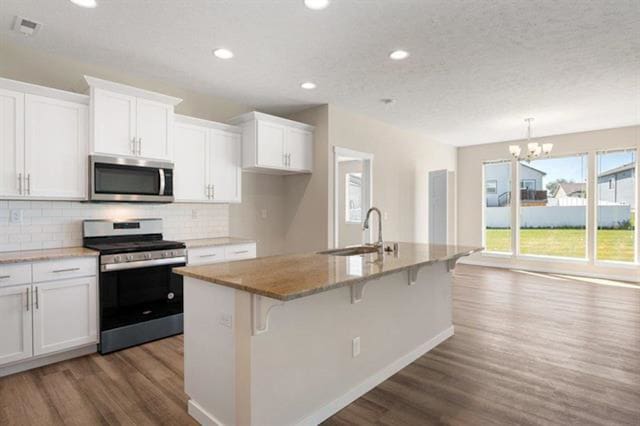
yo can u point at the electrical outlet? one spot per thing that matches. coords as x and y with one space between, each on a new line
263 213
355 346
226 320
194 214
16 217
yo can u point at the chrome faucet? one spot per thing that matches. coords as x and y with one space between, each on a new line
365 226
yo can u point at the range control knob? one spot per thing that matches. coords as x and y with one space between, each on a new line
129 257
147 256
116 259
173 253
166 254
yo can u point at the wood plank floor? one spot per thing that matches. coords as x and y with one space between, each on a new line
528 349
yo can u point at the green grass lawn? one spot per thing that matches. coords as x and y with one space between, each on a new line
613 244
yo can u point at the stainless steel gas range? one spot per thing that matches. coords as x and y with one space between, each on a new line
140 298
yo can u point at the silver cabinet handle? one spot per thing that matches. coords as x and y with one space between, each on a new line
241 252
28 290
37 299
4 277
208 255
213 192
162 181
57 271
20 183
139 146
284 156
28 183
209 192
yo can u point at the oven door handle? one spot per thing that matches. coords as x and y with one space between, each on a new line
142 264
162 182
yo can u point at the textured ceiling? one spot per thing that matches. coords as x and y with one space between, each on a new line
477 68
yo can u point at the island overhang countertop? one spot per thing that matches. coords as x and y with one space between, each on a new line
288 277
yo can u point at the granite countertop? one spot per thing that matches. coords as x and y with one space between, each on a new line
45 254
290 277
219 241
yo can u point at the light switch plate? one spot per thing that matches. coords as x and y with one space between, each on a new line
226 320
15 216
355 346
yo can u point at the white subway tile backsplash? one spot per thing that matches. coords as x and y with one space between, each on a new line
51 224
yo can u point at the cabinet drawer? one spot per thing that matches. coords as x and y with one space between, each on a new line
241 251
15 274
66 268
203 255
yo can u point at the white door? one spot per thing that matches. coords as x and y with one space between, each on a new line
64 314
270 144
191 163
11 142
56 143
15 331
225 173
299 147
154 124
114 123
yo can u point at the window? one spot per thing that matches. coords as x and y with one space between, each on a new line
497 207
529 184
353 200
491 187
553 221
616 209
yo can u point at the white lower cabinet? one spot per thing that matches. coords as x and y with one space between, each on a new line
15 331
42 317
64 314
221 253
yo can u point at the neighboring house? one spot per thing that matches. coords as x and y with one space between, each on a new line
570 190
497 182
618 185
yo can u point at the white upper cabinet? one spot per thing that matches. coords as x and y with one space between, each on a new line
11 142
225 152
127 121
207 161
43 142
55 148
275 145
191 158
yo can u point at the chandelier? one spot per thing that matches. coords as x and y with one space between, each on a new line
534 149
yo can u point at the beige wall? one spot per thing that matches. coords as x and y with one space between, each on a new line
470 190
263 192
401 164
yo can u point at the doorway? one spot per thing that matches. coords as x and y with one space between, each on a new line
352 196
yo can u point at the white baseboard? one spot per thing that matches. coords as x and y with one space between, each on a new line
373 381
20 366
201 415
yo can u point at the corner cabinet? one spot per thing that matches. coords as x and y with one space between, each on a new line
207 161
276 145
42 130
131 122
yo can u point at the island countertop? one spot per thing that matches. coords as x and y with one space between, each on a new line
289 277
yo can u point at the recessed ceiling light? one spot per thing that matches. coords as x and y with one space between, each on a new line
398 55
308 85
317 4
223 53
85 3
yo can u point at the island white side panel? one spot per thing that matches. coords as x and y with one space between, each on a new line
209 352
302 369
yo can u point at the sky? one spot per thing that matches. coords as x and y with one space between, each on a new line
575 168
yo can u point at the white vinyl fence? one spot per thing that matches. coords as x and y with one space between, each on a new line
556 216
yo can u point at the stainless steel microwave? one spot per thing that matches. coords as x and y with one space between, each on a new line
130 180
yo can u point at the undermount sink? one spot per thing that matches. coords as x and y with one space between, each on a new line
350 251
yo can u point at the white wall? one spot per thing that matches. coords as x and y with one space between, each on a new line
470 193
244 220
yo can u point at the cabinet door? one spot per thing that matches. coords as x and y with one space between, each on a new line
270 144
15 332
154 128
11 142
299 147
56 140
225 172
191 163
64 314
114 123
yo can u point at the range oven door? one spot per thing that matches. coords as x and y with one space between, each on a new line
130 179
139 305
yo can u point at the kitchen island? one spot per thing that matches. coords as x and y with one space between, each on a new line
293 339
